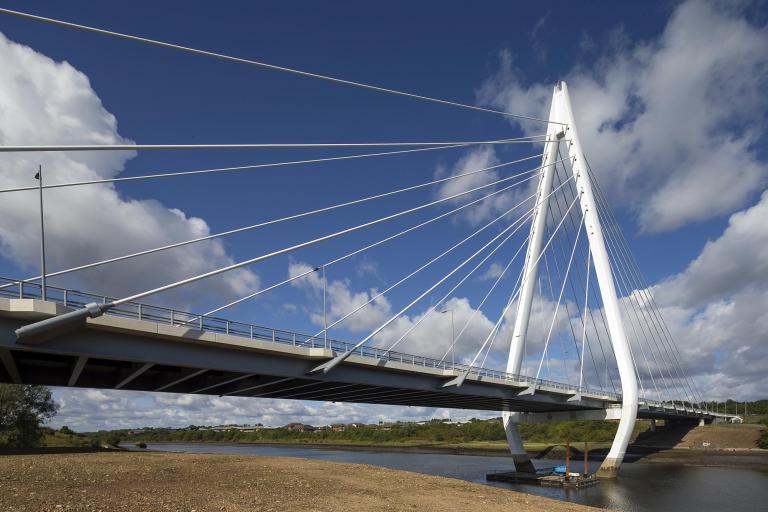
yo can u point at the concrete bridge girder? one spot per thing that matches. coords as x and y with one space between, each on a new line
114 352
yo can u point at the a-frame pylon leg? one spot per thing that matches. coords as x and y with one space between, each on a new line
538 226
562 114
604 274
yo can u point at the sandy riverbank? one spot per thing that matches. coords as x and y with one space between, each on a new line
130 481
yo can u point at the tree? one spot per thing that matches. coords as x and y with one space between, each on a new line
112 439
23 410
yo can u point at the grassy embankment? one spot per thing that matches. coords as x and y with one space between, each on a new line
478 434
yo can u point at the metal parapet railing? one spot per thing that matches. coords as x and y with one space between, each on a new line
15 289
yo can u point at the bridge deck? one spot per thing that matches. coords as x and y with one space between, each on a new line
148 348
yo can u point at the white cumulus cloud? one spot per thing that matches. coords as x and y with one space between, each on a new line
48 102
669 125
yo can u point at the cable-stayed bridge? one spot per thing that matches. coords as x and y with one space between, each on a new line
570 304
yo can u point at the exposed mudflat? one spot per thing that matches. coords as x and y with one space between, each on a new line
130 481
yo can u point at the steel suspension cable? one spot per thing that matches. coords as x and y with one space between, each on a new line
569 316
466 324
495 336
644 288
453 289
326 367
93 310
561 252
623 252
458 381
633 320
574 226
268 145
512 296
430 262
550 289
560 277
635 306
612 236
485 298
597 299
624 281
242 167
497 327
584 324
355 252
624 288
293 217
560 297
251 62
299 246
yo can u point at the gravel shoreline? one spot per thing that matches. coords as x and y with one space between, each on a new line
131 481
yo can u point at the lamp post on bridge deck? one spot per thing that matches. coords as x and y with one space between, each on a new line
453 337
39 178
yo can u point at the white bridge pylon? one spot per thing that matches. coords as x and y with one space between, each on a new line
562 128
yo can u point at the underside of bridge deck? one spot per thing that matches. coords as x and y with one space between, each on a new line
55 369
112 352
99 356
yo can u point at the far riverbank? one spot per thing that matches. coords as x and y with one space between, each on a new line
733 458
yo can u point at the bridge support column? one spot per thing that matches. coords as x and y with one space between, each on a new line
602 264
538 226
520 457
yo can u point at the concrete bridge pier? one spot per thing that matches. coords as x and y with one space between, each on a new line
520 457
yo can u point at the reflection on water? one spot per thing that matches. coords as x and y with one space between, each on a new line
641 487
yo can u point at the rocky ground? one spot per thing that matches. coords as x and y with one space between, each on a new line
124 481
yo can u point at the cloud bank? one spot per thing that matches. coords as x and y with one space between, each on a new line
48 102
670 125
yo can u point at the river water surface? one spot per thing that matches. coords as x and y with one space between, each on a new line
641 487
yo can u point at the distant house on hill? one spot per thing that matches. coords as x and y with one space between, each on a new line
239 428
299 427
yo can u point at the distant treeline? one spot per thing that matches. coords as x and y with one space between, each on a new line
758 407
434 431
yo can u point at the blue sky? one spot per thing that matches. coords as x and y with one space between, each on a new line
624 62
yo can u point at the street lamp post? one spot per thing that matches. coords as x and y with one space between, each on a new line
325 313
39 178
453 337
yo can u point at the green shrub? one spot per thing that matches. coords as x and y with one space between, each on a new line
112 439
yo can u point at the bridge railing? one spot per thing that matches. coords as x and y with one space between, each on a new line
11 288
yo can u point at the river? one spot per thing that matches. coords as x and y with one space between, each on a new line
640 488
